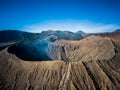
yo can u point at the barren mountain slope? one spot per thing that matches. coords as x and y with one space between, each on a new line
90 48
90 64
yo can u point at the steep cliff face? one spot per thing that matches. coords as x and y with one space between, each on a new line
89 64
91 48
115 36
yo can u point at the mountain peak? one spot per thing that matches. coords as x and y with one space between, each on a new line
80 32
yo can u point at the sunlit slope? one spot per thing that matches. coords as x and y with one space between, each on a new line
89 64
51 75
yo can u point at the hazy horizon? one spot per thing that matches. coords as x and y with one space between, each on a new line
90 16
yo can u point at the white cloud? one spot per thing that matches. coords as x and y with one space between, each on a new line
71 25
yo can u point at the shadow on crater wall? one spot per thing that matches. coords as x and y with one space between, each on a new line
22 53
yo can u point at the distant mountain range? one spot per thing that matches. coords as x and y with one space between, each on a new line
16 36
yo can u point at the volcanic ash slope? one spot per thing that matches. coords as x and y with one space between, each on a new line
89 64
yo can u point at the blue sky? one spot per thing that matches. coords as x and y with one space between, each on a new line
73 15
